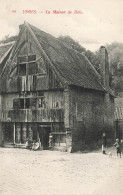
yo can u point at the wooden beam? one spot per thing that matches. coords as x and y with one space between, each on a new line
43 52
59 133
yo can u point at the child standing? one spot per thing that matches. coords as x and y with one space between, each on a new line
118 147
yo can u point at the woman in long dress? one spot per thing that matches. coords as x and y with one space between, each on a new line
35 145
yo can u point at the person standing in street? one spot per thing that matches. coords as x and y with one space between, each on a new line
118 147
104 143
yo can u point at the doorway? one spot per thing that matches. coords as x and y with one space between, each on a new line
44 132
8 133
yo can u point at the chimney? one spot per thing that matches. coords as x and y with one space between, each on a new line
104 67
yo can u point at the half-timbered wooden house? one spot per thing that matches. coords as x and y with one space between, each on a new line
46 87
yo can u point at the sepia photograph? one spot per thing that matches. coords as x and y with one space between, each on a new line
61 97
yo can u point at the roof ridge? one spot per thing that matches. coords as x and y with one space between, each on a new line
5 44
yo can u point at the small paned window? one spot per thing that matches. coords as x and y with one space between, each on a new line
22 59
27 103
32 68
22 103
41 102
16 103
33 103
31 58
22 69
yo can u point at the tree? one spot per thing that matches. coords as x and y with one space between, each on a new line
115 52
94 59
7 39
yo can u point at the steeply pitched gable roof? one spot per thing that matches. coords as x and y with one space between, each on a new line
71 65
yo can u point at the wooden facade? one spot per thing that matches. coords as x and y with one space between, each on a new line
37 101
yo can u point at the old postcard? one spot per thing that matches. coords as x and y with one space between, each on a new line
61 97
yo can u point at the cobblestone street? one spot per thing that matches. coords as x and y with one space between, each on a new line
59 173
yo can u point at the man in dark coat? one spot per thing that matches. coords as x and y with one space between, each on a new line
104 143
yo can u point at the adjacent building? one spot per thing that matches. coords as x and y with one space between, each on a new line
119 117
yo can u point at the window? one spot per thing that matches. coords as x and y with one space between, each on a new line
55 104
22 69
16 104
27 103
32 68
21 103
27 65
33 103
31 58
22 59
41 102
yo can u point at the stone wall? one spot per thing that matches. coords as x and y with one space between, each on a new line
90 113
109 119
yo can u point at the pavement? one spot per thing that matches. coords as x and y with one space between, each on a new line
25 172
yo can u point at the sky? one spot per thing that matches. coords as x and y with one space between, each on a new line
92 23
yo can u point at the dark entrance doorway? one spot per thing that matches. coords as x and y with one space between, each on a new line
44 132
8 133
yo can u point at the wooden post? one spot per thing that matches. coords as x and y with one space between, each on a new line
14 133
68 140
24 133
30 132
3 136
18 133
